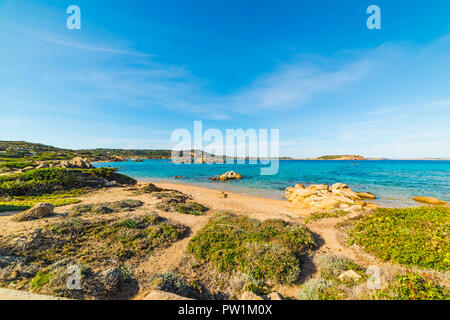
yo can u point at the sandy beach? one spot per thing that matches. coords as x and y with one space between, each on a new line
169 259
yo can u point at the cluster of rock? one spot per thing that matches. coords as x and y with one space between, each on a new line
322 197
76 163
230 175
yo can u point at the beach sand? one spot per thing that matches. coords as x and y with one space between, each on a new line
168 259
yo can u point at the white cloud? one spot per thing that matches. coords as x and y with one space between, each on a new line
294 85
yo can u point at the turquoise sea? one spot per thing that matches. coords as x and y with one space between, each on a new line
394 182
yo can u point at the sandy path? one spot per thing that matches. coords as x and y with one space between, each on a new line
330 242
8 294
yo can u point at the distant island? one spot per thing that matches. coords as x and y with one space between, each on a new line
339 157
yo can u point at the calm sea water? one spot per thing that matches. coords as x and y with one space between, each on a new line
393 182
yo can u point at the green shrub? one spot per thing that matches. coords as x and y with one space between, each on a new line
268 250
331 266
319 289
21 205
91 242
412 236
111 174
16 164
105 207
125 204
41 279
80 209
315 216
412 286
192 208
49 180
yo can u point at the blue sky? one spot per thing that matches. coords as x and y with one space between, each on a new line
135 72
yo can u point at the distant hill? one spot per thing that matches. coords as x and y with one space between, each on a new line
21 154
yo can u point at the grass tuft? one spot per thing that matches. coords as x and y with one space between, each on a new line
412 236
268 250
412 286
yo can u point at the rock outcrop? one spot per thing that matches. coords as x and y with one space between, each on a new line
366 195
76 163
39 211
247 295
429 200
274 296
163 295
230 175
115 158
349 274
322 197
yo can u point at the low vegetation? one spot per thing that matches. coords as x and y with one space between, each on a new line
176 201
331 285
174 283
36 257
413 286
411 237
319 289
105 207
21 205
331 266
57 199
268 252
15 164
44 181
316 216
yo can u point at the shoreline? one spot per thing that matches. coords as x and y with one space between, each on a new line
235 201
221 187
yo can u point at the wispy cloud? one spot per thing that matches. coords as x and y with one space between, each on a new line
293 85
88 47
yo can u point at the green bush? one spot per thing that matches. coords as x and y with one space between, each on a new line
412 236
41 279
331 266
319 289
41 181
268 250
105 207
315 216
16 164
21 205
192 208
412 286
111 174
